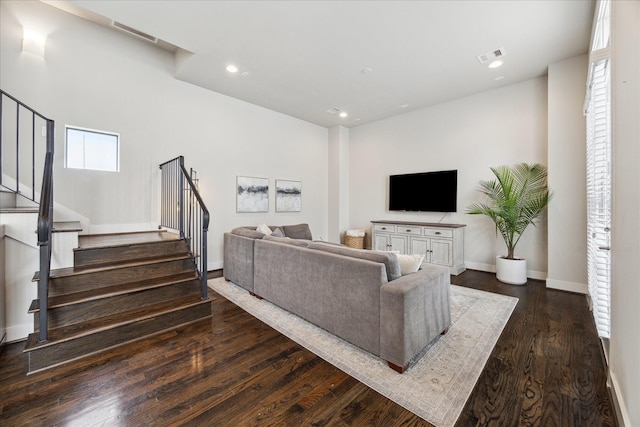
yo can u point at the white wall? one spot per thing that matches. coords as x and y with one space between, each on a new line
21 262
500 127
338 182
624 361
98 78
567 213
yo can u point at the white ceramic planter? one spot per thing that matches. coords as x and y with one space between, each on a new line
512 271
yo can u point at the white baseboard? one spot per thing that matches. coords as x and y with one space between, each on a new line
215 265
19 332
618 404
538 275
491 268
580 288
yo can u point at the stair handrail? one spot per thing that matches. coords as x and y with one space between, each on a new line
45 210
21 149
45 228
189 217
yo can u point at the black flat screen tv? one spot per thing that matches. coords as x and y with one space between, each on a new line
424 192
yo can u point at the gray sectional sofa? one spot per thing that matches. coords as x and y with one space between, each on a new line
356 294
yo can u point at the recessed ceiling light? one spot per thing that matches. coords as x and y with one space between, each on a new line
232 68
343 114
495 64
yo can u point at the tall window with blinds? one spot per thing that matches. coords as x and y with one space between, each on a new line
598 114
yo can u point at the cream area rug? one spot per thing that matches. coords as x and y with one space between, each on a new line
438 385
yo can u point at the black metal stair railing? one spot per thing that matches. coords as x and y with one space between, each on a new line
183 209
45 227
25 148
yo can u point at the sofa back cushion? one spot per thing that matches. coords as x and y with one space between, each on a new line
249 232
389 259
298 231
288 241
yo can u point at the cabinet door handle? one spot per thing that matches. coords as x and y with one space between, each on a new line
384 228
437 233
408 230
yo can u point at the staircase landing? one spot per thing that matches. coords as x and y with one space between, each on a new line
122 288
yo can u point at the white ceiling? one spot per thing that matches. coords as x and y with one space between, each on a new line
303 58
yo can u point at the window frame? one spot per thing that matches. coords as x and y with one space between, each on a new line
96 132
597 110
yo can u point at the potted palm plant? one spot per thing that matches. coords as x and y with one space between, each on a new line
513 200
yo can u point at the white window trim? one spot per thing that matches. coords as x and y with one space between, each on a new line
102 132
597 108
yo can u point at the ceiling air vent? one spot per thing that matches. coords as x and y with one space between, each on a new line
334 110
134 32
490 56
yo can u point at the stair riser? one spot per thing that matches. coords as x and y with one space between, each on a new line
98 279
89 310
112 255
56 354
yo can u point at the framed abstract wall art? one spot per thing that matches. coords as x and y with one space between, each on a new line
288 196
252 194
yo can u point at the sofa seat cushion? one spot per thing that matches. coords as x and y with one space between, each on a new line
389 259
298 231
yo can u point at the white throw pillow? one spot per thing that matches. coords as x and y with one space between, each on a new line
409 263
264 229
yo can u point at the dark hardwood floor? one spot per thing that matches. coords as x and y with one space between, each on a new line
546 370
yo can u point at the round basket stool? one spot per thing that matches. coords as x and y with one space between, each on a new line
354 239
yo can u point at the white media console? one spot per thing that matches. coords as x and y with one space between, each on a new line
442 244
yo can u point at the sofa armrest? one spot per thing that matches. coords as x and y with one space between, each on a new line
238 260
414 310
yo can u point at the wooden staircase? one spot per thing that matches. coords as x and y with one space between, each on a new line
123 287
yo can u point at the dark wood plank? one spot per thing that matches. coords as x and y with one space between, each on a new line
137 298
85 271
545 370
108 277
108 291
118 239
89 342
123 254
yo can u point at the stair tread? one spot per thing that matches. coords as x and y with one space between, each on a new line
98 293
93 268
66 226
66 333
91 241
19 210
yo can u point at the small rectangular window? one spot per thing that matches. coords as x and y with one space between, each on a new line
92 149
